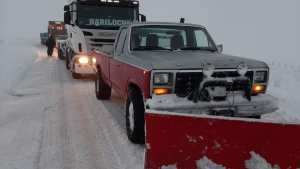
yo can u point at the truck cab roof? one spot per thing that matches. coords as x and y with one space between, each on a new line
162 23
129 3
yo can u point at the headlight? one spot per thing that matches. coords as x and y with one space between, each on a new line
83 60
94 60
260 77
161 78
208 70
242 69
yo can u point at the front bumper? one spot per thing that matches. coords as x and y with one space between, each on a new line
83 69
259 105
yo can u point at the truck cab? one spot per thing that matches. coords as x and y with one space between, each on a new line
91 24
57 30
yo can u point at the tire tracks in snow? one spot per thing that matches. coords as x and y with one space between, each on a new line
55 150
71 130
24 120
98 140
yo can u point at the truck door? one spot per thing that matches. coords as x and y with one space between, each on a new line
116 67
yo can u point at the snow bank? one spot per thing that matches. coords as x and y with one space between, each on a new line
169 167
258 162
206 163
284 82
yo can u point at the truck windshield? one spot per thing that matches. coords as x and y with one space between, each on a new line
171 38
106 17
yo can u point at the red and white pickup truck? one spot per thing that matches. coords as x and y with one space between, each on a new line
151 62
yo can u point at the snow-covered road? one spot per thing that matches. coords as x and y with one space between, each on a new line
50 121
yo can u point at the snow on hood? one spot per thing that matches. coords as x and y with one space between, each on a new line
160 60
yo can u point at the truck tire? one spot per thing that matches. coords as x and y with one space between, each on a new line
60 54
135 120
102 90
67 63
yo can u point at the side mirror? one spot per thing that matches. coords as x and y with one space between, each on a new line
67 18
220 48
143 18
66 8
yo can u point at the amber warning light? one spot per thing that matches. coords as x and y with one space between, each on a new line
161 91
257 88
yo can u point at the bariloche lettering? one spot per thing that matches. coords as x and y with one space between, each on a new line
110 22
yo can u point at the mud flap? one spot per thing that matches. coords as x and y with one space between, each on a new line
181 140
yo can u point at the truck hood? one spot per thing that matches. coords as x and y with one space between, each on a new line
160 60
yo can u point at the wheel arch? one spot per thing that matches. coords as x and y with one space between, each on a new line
98 71
135 86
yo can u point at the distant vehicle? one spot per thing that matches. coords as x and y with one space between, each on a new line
57 29
90 25
44 38
182 61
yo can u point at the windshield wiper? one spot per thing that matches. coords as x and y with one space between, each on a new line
199 48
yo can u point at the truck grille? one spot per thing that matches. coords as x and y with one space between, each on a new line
187 82
103 40
97 45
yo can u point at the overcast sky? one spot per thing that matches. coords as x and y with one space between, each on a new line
252 28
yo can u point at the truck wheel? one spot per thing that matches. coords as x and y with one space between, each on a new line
102 90
60 54
135 120
67 63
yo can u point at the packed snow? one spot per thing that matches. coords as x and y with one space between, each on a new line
206 163
50 121
169 167
258 162
203 163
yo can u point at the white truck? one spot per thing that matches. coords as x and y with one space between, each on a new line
92 25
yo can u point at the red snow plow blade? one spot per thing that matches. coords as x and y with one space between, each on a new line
181 140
